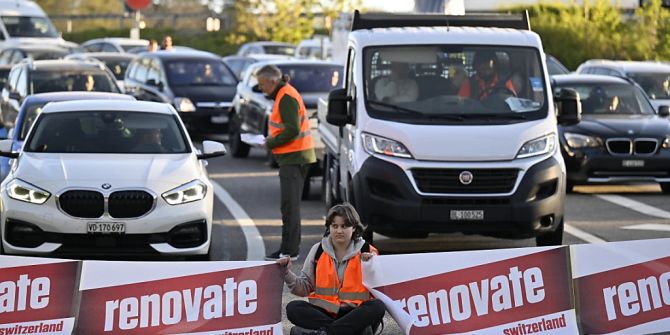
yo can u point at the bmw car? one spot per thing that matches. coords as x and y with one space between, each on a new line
621 137
101 178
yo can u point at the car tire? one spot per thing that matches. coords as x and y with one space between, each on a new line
238 148
665 188
552 238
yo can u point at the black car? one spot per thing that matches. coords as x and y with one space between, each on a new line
198 84
620 138
30 77
13 55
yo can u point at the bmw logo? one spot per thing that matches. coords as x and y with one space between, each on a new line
106 186
631 132
465 177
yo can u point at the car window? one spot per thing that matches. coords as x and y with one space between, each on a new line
29 26
13 77
107 47
29 117
606 98
73 80
22 84
207 72
17 56
142 69
5 56
107 132
154 71
287 50
314 78
46 54
118 67
93 47
4 73
655 84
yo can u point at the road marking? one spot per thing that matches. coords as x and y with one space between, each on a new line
635 205
582 235
243 174
649 226
255 245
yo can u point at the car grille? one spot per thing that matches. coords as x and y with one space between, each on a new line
447 180
120 204
129 204
638 146
83 204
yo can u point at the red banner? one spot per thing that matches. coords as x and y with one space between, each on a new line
231 299
617 299
37 292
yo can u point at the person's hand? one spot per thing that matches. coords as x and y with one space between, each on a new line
285 262
366 256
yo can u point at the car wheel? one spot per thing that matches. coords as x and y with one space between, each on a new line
665 187
238 148
552 238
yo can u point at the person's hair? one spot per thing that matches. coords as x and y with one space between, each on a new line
269 71
152 41
351 219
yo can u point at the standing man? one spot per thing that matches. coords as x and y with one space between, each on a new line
290 140
167 43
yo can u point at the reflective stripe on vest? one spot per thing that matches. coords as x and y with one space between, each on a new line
303 140
329 293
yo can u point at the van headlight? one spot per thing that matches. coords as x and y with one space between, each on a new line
183 105
379 145
538 146
18 189
578 141
189 192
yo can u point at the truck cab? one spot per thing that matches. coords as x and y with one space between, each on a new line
447 124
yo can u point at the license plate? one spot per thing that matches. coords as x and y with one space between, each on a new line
106 228
219 119
467 215
632 163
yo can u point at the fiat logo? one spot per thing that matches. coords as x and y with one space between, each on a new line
106 186
465 177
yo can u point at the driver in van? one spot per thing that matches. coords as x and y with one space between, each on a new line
397 87
486 80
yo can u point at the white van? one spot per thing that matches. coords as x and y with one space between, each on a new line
416 152
24 22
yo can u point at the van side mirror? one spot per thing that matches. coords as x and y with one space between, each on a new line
664 111
569 107
337 107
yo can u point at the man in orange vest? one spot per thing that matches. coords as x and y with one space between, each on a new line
290 140
332 280
486 81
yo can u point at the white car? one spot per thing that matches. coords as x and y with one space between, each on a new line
102 178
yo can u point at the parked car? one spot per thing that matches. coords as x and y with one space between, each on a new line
620 138
96 178
13 55
33 105
239 64
316 48
554 66
117 62
113 44
653 77
24 22
266 47
197 83
28 77
251 109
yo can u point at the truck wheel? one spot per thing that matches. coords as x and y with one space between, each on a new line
552 238
665 187
238 148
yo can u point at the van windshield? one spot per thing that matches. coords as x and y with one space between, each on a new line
29 26
454 83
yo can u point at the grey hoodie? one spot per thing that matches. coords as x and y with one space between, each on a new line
302 285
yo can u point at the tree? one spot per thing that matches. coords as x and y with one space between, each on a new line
280 20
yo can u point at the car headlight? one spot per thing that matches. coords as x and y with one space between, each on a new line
380 145
189 192
582 141
538 146
20 190
183 105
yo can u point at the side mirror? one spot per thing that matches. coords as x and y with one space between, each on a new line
664 111
569 107
211 149
6 149
337 107
256 89
14 95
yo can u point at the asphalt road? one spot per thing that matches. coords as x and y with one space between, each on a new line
247 214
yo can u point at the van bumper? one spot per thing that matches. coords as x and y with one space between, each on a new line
390 205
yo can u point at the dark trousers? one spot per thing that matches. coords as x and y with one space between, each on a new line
348 321
291 179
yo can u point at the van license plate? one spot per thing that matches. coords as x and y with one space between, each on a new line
467 215
219 119
632 163
106 228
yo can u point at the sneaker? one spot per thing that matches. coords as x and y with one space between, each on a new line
278 255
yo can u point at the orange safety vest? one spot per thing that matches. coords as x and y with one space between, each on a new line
329 293
304 139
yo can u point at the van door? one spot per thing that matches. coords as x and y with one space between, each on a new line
347 139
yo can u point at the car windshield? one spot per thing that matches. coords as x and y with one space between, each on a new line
612 99
31 114
190 72
29 26
656 85
314 78
46 54
128 47
239 65
118 67
69 80
287 50
454 83
110 132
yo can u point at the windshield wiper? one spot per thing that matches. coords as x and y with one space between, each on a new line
415 112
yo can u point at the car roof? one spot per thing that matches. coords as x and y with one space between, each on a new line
76 95
62 64
33 47
269 43
104 55
572 78
630 66
102 105
20 8
120 40
181 54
